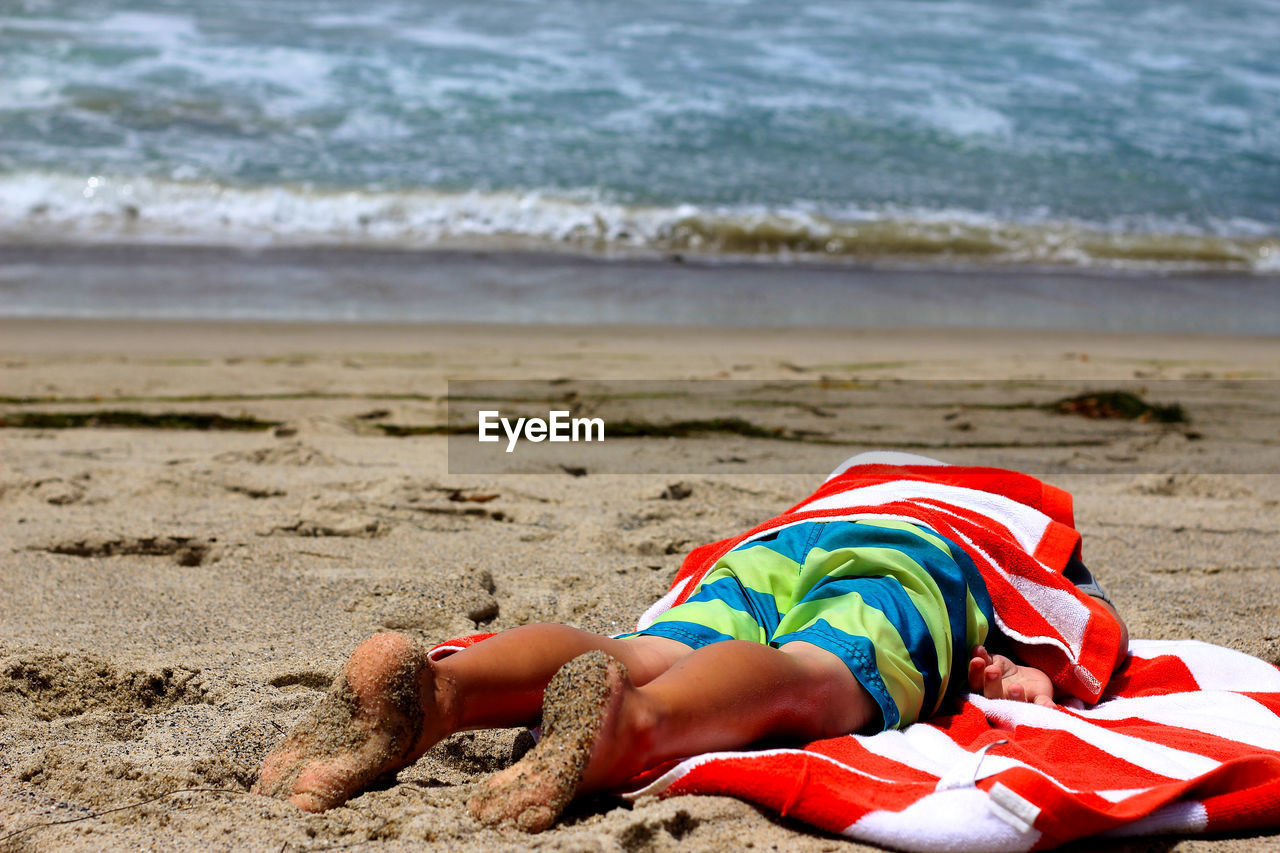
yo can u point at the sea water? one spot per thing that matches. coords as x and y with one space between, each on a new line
1094 134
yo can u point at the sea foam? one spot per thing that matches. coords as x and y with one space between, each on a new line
37 207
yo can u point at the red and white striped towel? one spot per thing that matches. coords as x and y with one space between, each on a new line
1186 739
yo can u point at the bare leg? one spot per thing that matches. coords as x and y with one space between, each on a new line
390 704
499 682
601 727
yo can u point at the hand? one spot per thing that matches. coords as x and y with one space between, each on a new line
997 677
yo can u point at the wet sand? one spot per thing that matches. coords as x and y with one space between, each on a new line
176 598
514 283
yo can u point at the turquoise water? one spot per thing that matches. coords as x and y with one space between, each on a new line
1081 132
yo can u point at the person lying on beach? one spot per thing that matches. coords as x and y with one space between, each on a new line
819 629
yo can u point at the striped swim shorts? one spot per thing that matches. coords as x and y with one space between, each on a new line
899 604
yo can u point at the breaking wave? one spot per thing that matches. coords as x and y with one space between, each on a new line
49 208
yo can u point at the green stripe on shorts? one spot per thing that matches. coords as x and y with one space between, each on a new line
887 597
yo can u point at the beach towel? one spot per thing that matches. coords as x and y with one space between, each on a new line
1186 739
1183 737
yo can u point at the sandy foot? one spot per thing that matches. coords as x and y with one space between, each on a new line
370 723
576 705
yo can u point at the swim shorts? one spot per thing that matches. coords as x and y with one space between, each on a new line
900 605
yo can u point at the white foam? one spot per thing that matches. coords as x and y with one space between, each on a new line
106 208
962 116
187 209
150 28
30 92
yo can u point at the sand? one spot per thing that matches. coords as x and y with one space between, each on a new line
175 599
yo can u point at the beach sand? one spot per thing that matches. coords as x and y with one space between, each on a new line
175 599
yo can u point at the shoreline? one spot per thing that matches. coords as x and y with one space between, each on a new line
1050 352
469 286
606 253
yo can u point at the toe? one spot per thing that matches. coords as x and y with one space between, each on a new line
976 666
317 788
536 818
308 802
485 807
991 687
274 769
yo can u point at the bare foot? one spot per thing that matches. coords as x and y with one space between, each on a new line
578 706
371 722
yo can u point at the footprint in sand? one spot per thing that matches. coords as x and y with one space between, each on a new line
309 679
185 550
463 606
48 684
1189 485
349 527
290 453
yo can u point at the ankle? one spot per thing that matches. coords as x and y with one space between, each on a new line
646 716
441 701
630 741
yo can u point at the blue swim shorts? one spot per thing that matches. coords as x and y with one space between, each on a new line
899 604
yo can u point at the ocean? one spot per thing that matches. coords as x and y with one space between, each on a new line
1099 136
